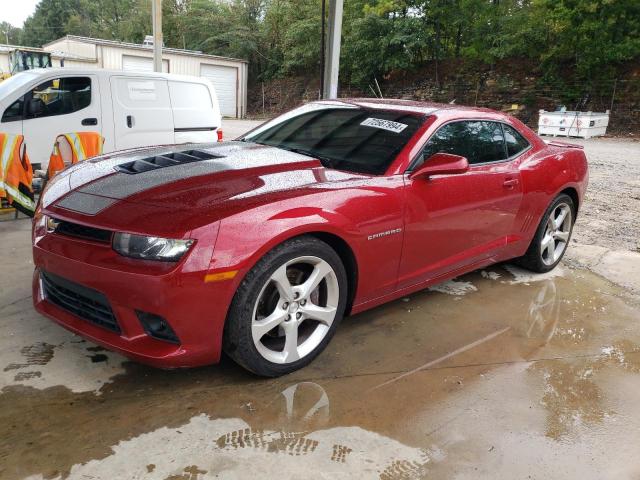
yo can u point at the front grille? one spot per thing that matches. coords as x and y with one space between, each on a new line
80 231
83 302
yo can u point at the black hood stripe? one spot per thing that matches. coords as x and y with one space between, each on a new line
83 203
111 185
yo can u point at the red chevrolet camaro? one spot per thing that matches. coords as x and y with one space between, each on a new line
258 247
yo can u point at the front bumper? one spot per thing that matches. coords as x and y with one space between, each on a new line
195 310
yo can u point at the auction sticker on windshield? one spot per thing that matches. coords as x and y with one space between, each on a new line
384 124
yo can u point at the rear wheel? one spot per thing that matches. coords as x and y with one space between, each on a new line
287 308
552 236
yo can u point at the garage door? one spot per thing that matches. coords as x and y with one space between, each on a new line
224 80
141 64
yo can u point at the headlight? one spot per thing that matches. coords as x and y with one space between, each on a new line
150 248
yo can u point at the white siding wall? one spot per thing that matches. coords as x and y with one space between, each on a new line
141 63
68 63
4 62
82 49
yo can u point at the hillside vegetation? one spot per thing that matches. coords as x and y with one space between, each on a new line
577 50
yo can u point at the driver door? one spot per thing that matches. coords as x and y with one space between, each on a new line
454 221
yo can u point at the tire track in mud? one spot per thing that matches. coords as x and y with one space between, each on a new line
292 443
39 353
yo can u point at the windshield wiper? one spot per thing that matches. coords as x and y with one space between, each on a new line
326 161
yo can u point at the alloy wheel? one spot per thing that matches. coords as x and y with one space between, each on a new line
295 309
556 236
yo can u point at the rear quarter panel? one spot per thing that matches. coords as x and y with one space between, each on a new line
545 175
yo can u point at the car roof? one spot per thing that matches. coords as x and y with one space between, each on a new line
109 72
426 108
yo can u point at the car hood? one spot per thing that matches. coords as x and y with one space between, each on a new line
239 174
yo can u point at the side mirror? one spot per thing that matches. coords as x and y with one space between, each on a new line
441 164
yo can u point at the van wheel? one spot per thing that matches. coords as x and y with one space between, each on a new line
287 308
552 237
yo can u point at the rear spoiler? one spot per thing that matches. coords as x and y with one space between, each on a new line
557 143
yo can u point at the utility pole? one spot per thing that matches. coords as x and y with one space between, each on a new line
323 45
156 19
332 63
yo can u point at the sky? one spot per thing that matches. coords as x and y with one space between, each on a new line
16 11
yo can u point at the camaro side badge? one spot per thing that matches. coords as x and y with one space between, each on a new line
384 234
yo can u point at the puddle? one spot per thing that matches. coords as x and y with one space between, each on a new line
454 287
242 452
521 275
41 354
514 378
571 397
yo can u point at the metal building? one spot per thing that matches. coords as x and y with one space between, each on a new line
228 75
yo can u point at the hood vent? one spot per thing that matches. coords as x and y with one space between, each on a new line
162 161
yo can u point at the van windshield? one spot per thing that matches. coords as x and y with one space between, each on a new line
343 136
13 83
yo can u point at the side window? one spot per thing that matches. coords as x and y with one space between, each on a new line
478 141
446 140
488 142
14 112
59 97
516 143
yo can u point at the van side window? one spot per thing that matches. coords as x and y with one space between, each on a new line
14 112
477 141
59 97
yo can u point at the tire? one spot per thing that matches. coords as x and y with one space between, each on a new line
265 313
543 259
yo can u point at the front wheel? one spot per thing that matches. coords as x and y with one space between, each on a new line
287 308
552 236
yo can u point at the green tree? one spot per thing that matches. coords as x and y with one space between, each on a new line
53 18
592 39
10 34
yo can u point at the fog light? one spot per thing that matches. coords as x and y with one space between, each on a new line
157 327
51 223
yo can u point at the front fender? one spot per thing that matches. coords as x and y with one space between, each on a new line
353 216
253 242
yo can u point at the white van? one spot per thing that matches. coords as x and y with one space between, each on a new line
129 109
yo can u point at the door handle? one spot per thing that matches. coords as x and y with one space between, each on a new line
89 121
129 121
510 182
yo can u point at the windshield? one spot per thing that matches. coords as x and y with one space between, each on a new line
342 136
13 83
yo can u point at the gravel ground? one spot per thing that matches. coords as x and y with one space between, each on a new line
610 215
233 128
